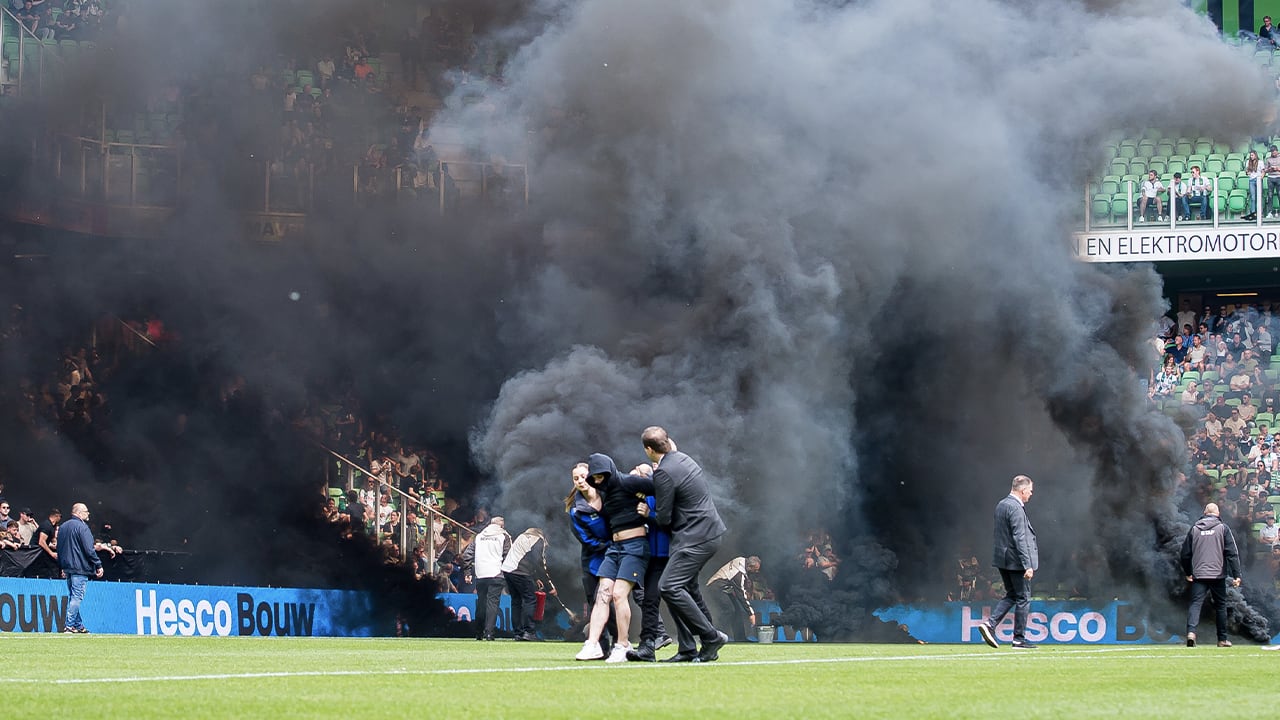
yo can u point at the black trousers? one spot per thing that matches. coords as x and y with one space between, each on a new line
736 613
679 587
651 627
1017 595
488 597
523 602
1199 588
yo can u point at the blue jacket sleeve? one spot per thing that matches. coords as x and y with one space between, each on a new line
590 533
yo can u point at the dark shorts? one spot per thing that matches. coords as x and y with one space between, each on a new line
625 560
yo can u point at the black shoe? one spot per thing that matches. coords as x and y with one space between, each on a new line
644 653
682 656
1023 645
711 648
988 635
488 636
1191 639
528 637
662 642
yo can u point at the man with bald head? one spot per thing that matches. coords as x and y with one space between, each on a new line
1209 557
1017 557
78 560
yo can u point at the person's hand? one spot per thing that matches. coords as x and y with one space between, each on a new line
98 573
1029 573
552 591
64 574
1235 583
642 509
1190 579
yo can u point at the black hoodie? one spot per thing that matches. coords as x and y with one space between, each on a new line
621 493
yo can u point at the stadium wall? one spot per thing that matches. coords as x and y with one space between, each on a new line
1052 621
28 605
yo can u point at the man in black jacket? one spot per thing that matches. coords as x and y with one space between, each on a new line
1209 557
1017 557
684 504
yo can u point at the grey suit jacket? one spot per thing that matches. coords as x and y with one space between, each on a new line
1015 539
682 501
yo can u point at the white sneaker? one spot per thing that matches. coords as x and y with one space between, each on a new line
1141 219
618 654
591 651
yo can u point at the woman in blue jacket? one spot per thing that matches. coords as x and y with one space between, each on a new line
583 506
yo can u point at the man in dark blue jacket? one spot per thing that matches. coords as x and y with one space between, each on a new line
653 634
1017 557
78 560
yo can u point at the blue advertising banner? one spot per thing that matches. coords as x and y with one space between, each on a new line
28 605
1052 621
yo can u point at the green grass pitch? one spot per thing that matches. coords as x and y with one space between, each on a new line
142 677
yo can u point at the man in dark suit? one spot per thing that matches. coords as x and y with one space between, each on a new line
683 503
1017 556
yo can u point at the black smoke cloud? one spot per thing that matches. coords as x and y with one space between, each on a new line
826 246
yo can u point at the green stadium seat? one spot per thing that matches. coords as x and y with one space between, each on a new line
1203 147
1157 165
1165 148
1119 167
1263 418
1110 185
1211 472
1226 183
1120 206
1146 148
1214 166
1236 202
1233 402
1138 166
1183 148
1177 165
1234 164
1101 208
1125 152
1209 375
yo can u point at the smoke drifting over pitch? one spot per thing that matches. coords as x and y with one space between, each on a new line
828 252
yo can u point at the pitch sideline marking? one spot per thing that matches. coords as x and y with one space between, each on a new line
555 668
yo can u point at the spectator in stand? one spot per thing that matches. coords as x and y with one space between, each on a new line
358 512
1271 166
28 525
47 533
1221 409
1196 355
1234 425
1246 408
1267 36
1180 200
1151 189
325 69
1166 381
1200 193
1253 167
5 520
1192 395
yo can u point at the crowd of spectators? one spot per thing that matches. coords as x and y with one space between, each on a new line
819 556
68 19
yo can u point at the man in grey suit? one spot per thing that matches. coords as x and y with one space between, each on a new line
1017 556
682 502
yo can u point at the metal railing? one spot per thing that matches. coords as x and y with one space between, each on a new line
1261 196
447 184
19 78
406 501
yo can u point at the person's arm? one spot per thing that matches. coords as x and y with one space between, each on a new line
638 484
86 537
664 497
43 542
1020 531
582 529
1184 558
1231 554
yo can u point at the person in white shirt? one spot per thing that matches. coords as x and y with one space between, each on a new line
1271 167
1151 189
1269 534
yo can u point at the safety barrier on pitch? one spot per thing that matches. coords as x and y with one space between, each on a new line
28 605
1051 621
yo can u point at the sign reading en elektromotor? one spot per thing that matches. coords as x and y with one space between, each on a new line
135 609
1149 243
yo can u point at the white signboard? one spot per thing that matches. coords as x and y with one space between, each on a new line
1150 244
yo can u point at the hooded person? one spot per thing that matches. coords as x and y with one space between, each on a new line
1209 557
524 568
482 560
626 559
